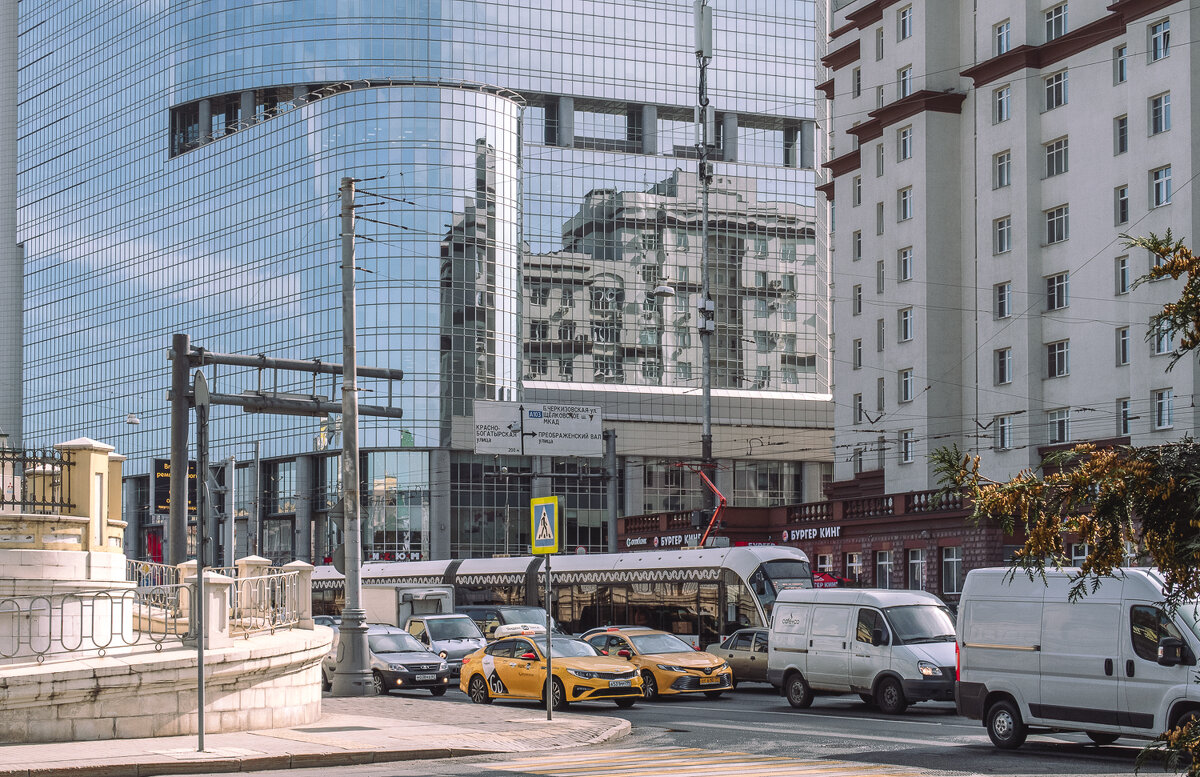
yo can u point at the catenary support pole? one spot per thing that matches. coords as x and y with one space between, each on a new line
180 390
352 676
203 506
230 511
610 471
707 317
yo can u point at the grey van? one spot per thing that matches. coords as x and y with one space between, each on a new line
451 636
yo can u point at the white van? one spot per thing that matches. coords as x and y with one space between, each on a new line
1111 664
892 648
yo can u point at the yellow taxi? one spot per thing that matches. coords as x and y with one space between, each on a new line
666 663
515 668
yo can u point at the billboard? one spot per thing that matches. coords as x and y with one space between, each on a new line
162 487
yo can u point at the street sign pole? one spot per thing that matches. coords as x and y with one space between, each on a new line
549 658
545 533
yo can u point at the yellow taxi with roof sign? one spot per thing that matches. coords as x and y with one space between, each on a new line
515 668
667 664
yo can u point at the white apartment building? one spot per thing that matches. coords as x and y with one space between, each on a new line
981 167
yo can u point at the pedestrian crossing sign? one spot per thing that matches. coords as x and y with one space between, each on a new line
544 511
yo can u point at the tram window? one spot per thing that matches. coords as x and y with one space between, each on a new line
738 608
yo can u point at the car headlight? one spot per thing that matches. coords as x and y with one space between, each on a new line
396 667
443 654
670 668
583 675
928 670
443 666
724 665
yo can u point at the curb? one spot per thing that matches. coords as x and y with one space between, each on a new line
255 763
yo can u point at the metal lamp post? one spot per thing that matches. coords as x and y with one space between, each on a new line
707 310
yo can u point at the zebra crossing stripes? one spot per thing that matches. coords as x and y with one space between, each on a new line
659 762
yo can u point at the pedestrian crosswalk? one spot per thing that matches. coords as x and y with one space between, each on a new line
658 761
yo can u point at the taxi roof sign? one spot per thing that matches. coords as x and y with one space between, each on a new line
544 528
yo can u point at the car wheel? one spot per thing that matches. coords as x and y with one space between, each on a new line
326 683
713 694
649 686
889 696
478 691
867 699
377 681
733 682
1102 737
438 691
1004 725
559 700
625 703
799 695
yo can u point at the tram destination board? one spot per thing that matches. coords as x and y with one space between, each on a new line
538 429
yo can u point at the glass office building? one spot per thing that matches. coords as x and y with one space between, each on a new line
528 175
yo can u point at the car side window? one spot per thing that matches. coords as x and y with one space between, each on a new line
760 642
742 640
502 649
868 621
1147 625
521 647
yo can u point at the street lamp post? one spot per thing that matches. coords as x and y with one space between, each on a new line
707 310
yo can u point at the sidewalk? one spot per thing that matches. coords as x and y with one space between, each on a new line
374 729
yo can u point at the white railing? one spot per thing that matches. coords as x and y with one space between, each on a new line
96 622
147 573
265 603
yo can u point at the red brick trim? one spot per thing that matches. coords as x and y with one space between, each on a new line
840 31
827 190
835 60
827 88
917 102
844 164
1133 10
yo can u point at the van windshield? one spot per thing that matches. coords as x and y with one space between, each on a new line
508 615
1190 612
917 623
453 628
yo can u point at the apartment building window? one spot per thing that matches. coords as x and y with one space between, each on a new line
1004 432
879 277
1004 366
1121 270
1056 22
856 353
878 160
1056 157
879 96
883 569
952 570
1002 170
1160 187
904 382
1058 425
856 245
1001 104
1003 299
1056 90
907 446
916 568
856 299
856 82
1122 346
854 566
761 310
879 218
1058 224
1121 204
904 82
1058 359
539 330
1160 113
904 143
1002 229
1160 40
1123 417
904 23
1057 291
1163 340
857 408
906 325
1001 35
856 191
878 44
880 397
1120 135
904 264
904 204
1120 64
1164 408
856 460
880 334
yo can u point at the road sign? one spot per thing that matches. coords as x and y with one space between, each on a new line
538 429
544 512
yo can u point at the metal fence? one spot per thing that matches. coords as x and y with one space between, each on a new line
34 481
35 628
265 603
147 573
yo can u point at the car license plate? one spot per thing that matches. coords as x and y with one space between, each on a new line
423 677
620 683
710 680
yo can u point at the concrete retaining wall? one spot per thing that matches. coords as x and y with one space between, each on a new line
269 681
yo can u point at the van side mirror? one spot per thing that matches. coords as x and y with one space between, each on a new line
1170 651
878 637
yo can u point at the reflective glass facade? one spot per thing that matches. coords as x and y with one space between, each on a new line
529 169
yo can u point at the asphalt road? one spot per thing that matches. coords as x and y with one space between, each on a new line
753 731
